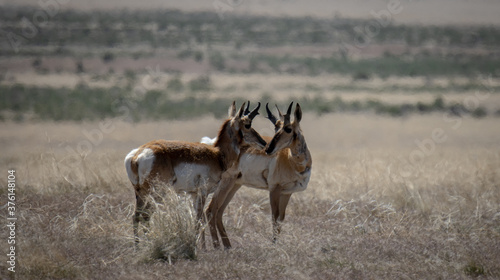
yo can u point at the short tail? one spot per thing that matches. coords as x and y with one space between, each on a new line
208 140
132 167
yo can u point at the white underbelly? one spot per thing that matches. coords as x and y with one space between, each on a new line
192 177
252 182
255 174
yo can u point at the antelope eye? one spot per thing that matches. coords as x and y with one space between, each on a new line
287 129
247 126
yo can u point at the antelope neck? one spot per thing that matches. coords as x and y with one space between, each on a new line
228 145
300 154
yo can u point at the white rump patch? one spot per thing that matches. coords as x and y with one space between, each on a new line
145 162
128 165
207 140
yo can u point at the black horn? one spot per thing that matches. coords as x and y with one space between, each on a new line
241 110
289 111
286 118
247 109
255 111
270 115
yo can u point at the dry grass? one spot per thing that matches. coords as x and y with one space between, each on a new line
171 234
368 212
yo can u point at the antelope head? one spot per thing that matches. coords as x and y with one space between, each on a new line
241 123
286 131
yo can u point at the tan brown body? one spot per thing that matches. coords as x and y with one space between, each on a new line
284 168
262 171
187 167
194 168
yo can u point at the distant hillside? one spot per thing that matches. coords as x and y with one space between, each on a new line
421 11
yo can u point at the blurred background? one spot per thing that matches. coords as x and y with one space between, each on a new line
401 110
84 60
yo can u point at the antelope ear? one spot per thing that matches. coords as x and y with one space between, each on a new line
279 112
232 110
298 113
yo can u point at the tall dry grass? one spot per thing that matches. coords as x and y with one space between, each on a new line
172 232
367 213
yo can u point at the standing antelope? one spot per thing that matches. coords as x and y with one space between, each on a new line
282 169
190 167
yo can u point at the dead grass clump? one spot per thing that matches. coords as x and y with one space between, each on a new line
171 233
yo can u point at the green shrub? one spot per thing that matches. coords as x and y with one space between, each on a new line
479 112
361 75
474 269
175 84
79 67
202 83
217 61
185 54
198 56
108 57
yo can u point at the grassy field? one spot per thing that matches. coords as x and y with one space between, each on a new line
369 211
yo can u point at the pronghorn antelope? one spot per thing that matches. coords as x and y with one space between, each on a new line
193 168
282 169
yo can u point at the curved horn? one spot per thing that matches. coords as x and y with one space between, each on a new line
286 117
270 115
241 110
247 109
255 111
289 111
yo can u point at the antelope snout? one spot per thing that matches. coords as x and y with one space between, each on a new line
270 148
260 143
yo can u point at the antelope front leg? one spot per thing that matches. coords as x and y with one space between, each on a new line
284 198
223 192
220 225
212 212
213 209
274 196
